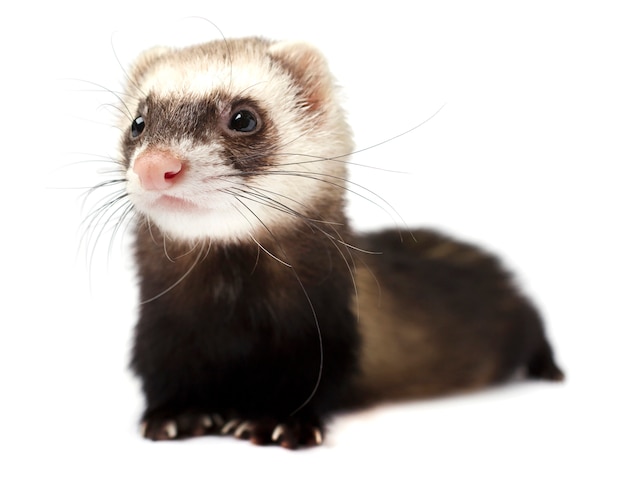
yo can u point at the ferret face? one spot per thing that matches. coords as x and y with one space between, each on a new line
231 140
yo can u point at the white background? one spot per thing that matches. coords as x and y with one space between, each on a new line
527 158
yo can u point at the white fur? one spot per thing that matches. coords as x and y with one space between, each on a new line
298 180
205 186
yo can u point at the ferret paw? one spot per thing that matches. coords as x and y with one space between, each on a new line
180 426
290 434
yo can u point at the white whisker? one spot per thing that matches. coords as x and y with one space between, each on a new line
311 306
185 275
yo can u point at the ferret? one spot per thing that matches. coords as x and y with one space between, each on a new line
262 313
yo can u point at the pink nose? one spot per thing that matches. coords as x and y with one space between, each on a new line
157 169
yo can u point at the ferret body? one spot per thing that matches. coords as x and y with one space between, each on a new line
262 313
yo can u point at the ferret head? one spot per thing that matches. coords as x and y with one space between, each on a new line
230 140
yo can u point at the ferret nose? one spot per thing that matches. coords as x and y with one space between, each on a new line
157 169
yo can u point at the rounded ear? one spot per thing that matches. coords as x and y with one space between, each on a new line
308 67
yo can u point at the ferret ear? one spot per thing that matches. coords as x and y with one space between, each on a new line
309 69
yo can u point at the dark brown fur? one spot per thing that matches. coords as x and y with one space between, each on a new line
264 337
243 336
439 316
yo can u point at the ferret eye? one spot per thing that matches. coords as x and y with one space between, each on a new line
243 121
137 127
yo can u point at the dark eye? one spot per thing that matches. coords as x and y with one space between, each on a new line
137 127
243 121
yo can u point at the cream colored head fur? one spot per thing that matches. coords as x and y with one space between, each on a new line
311 140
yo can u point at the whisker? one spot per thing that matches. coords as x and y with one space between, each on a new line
315 175
395 137
127 114
264 226
268 252
167 255
185 275
173 259
124 72
121 223
318 159
101 208
118 95
311 175
149 225
272 203
103 216
101 88
310 302
340 158
105 183
97 159
285 209
102 203
350 265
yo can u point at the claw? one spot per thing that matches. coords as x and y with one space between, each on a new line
243 429
217 420
278 432
230 426
170 429
317 436
206 421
